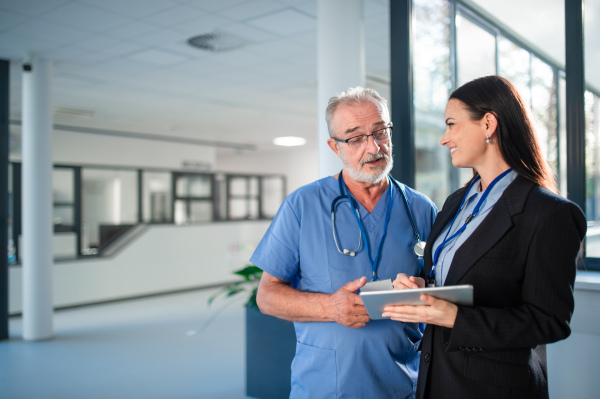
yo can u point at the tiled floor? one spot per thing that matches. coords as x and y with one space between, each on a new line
146 348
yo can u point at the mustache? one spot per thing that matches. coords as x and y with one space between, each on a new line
375 157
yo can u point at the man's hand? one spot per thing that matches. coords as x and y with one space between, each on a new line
403 281
346 307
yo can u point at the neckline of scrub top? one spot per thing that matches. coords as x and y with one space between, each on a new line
371 219
374 262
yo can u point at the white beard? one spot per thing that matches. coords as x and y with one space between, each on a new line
363 177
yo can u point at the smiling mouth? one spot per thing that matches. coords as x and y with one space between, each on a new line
452 150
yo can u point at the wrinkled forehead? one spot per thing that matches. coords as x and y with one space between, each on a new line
359 112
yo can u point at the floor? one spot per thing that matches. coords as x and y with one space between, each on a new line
164 347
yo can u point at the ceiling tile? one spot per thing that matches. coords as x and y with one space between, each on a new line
203 24
278 49
85 17
9 19
249 33
132 8
175 15
134 29
31 7
252 9
50 32
16 46
214 6
157 57
285 22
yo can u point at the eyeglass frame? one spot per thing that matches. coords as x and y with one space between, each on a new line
390 126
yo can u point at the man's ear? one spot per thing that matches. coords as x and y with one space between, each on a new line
334 147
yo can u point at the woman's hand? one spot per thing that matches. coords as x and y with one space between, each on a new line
403 281
435 311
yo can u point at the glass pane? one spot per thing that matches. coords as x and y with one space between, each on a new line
63 216
181 216
238 186
11 243
253 186
187 212
514 65
562 136
272 195
238 208
475 51
543 107
592 126
432 83
592 169
156 197
62 185
201 211
194 186
221 196
109 198
253 209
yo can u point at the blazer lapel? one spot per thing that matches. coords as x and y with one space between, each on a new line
491 229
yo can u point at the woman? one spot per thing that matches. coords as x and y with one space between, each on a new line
509 235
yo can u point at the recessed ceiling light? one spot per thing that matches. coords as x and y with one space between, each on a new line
289 141
217 41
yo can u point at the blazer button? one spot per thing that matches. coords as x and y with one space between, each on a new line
427 357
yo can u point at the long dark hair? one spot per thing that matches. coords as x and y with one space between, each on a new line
515 133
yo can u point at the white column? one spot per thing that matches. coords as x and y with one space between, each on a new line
37 201
341 63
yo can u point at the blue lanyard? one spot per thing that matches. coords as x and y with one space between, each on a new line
447 239
362 230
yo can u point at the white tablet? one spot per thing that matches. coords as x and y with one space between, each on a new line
375 301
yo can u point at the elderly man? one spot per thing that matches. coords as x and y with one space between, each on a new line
315 262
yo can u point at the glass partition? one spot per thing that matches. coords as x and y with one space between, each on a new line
156 197
475 51
432 84
193 198
272 195
109 199
592 127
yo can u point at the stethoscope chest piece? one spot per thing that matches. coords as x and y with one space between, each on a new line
419 248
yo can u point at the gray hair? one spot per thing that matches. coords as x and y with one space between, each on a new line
352 96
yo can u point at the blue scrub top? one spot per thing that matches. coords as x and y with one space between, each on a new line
379 360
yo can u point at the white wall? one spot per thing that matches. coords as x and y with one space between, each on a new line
163 258
95 149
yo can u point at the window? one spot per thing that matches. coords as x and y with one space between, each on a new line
479 48
193 198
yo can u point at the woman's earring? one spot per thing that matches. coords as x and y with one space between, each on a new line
487 139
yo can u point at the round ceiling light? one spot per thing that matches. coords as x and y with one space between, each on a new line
217 41
289 141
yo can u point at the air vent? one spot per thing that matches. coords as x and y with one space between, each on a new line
216 41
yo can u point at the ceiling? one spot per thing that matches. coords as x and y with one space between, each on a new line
125 65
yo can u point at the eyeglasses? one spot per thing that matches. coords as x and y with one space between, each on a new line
380 136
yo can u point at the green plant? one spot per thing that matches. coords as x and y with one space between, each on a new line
249 284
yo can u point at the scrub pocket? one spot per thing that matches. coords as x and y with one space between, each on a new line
314 372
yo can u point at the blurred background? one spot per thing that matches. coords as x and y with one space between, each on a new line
178 127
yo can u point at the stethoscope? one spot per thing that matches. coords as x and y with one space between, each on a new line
344 196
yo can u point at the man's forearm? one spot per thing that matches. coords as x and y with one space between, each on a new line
287 303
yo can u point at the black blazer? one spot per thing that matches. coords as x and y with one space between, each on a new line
521 261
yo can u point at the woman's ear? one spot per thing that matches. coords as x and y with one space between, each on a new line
491 123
